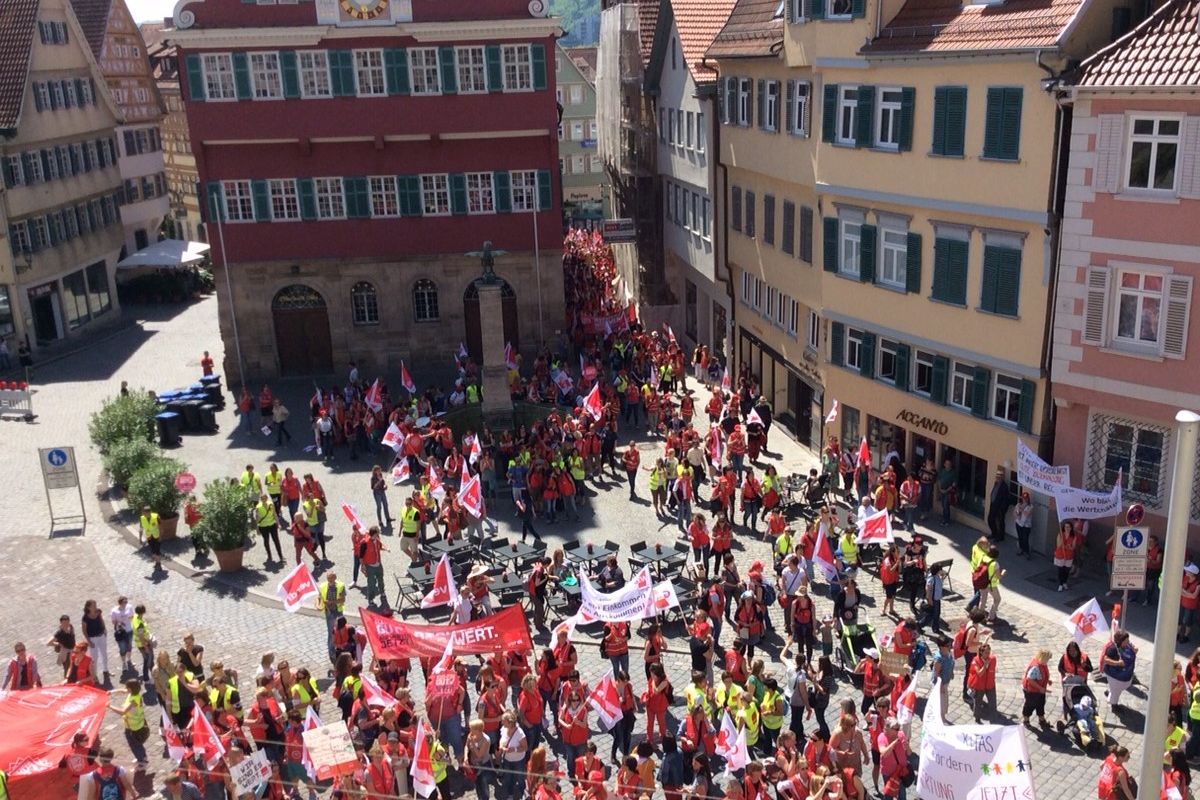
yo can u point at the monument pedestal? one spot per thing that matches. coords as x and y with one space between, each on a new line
497 400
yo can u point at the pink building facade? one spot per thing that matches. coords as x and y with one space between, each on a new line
1126 354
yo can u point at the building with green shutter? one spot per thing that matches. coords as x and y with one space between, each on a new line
933 158
351 156
585 181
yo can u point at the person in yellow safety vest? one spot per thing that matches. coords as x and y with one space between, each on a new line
473 394
149 531
439 759
410 528
133 714
224 697
332 606
143 640
848 548
772 714
727 694
251 481
182 687
698 692
352 684
268 526
305 692
576 466
274 483
748 718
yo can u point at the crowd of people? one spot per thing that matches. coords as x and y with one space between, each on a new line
776 639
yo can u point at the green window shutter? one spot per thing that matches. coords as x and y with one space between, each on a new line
837 343
939 379
830 244
291 75
760 103
941 268
993 119
341 68
864 133
308 198
816 9
195 78
957 286
1008 281
241 76
449 70
1025 415
262 201
829 113
537 57
868 238
409 189
991 274
902 359
981 386
938 146
543 183
858 8
458 193
501 191
788 107
1002 134
908 99
912 267
866 360
358 205
956 120
395 70
495 70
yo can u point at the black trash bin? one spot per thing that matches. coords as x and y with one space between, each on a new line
191 414
208 417
212 395
168 428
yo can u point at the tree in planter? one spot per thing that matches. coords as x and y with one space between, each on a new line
126 457
123 417
224 522
154 485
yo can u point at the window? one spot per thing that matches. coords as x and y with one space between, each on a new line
1139 303
523 188
670 127
285 204
218 77
595 164
41 93
705 218
949 120
1002 124
772 296
479 193
577 130
694 218
368 73
1006 399
384 200
1153 150
331 202
840 8
1001 274
888 360
850 245
798 114
425 297
74 294
314 73
38 233
854 347
894 258
472 70
923 373
691 121
751 208
745 90
364 304
768 219
264 73
746 288
887 119
577 165
435 195
735 203
99 299
806 234
1135 451
73 98
576 94
57 96
71 222
962 385
86 95
53 32
847 119
423 66
239 201
18 234
771 107
814 331
518 68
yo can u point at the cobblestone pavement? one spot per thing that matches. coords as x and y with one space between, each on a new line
238 619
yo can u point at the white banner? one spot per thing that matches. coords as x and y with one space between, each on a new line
1036 474
1088 505
972 762
248 774
638 599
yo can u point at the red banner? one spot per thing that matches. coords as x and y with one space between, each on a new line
393 638
39 725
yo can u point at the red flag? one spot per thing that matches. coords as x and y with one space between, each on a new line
444 591
592 403
631 312
607 702
510 358
470 494
715 453
876 528
435 482
462 350
205 741
823 555
726 383
311 720
864 454
175 747
753 417
422 765
393 438
296 587
447 660
731 744
465 474
352 514
406 380
374 397
907 702
400 472
476 450
670 333
375 694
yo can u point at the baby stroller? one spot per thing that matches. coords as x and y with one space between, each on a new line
855 639
1081 714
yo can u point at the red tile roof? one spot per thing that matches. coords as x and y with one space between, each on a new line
584 59
1164 50
698 23
93 18
752 29
948 26
17 19
647 11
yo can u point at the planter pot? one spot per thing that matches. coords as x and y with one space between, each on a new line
168 526
230 560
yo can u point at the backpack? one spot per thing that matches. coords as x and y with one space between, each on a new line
705 603
959 647
768 594
979 576
362 549
919 655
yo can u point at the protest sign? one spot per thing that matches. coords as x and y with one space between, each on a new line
1034 473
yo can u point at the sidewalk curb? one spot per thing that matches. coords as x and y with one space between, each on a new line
114 331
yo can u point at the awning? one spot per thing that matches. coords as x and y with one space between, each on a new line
167 253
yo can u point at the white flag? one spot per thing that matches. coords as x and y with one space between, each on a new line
731 745
1087 620
607 702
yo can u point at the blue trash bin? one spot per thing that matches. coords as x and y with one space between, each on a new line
167 423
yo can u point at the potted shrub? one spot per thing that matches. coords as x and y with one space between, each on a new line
154 485
224 523
122 418
126 457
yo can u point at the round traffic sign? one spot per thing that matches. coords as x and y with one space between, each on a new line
1132 538
57 457
1135 514
185 482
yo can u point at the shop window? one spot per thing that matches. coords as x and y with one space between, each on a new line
75 299
851 428
973 480
7 325
99 298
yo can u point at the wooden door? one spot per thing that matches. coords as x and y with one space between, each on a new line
302 338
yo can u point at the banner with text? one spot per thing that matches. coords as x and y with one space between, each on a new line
505 630
1036 474
1088 505
638 599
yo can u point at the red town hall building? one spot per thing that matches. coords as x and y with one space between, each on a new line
352 155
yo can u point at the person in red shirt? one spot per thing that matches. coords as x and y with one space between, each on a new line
302 539
289 489
889 577
206 364
573 727
531 710
631 459
1154 562
371 553
622 732
981 680
657 688
615 645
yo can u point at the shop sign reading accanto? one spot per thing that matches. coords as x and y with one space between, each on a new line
923 423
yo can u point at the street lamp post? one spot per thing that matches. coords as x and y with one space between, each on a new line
1167 621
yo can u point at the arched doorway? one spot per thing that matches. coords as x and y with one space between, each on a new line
508 309
302 331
